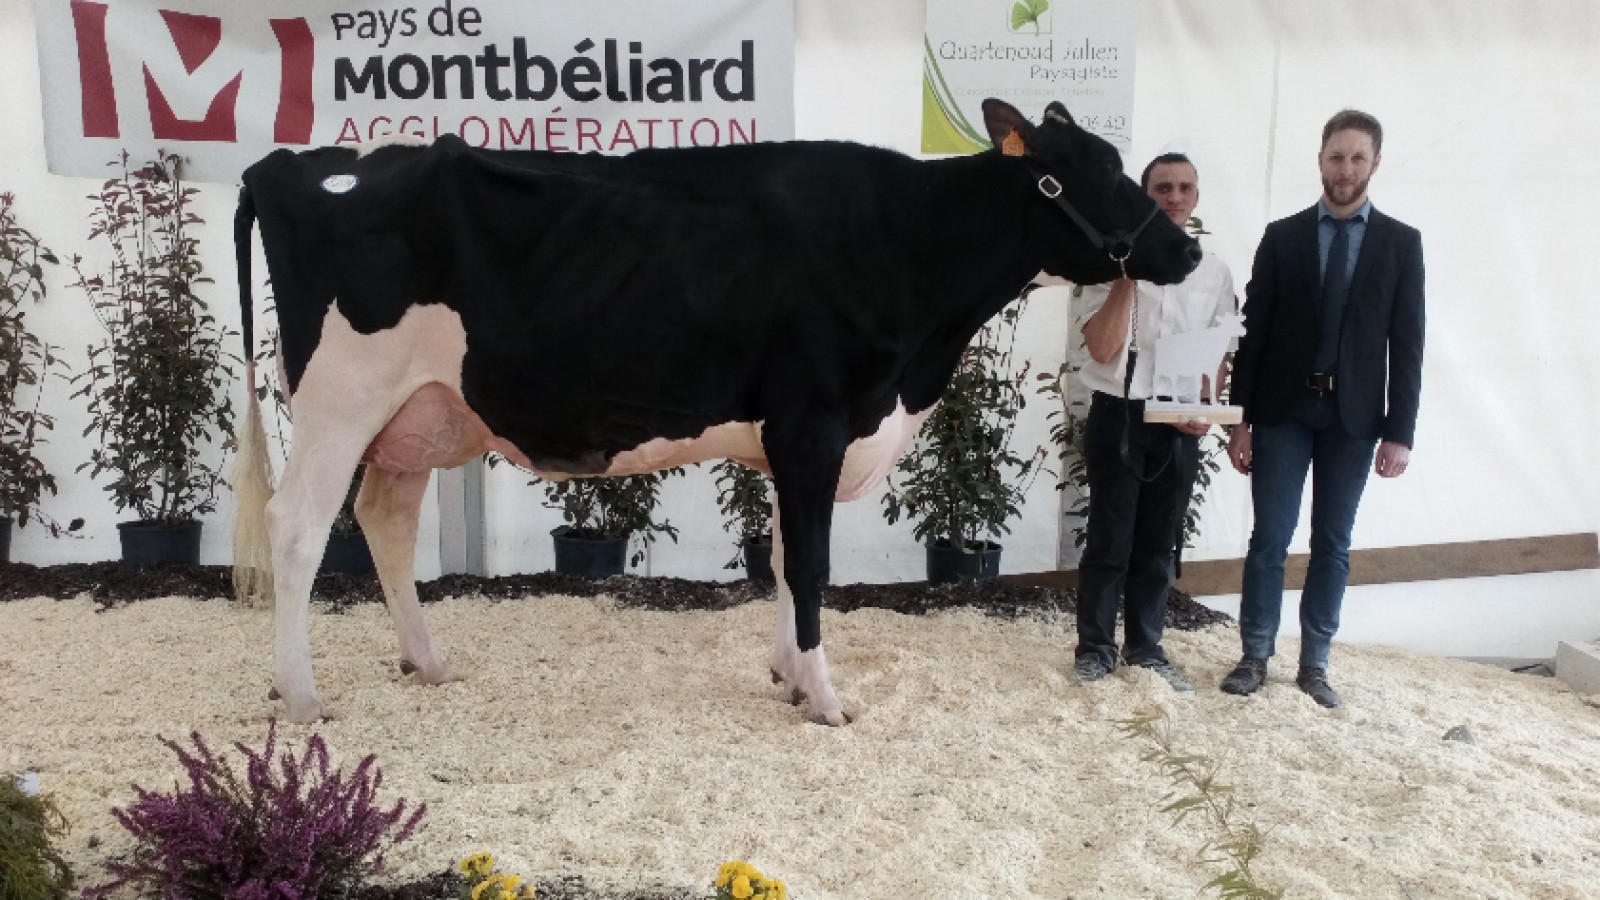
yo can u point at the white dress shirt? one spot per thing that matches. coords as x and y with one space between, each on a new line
1199 301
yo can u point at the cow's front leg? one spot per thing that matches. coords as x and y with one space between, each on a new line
805 472
802 675
388 507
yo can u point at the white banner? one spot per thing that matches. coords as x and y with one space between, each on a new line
225 83
1028 53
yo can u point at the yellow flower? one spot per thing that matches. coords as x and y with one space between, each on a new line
741 888
478 865
509 885
725 874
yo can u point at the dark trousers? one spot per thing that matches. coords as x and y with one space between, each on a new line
1134 527
1338 463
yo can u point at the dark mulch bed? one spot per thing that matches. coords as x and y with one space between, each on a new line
113 583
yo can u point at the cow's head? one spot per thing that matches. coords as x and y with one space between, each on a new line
1108 225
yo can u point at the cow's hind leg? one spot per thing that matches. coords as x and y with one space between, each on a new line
299 518
806 460
388 507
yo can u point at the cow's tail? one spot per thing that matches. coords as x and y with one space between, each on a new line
252 476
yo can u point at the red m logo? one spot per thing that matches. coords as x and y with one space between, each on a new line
196 38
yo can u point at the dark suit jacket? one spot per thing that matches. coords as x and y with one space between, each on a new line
1380 354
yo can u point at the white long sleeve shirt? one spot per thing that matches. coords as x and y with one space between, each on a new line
1199 301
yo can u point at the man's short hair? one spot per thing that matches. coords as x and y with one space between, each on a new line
1163 159
1355 119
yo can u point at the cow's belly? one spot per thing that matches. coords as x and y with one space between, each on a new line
732 440
866 463
434 428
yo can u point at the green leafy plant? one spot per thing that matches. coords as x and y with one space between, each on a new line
738 880
963 481
606 508
30 866
25 364
1197 791
746 508
1028 12
158 386
1068 420
485 881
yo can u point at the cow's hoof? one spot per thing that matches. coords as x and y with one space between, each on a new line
272 693
407 667
776 678
832 720
797 697
307 713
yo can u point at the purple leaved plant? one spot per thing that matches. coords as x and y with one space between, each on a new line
294 831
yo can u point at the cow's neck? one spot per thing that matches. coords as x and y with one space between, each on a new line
981 251
986 240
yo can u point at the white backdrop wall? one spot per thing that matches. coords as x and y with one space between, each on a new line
1492 124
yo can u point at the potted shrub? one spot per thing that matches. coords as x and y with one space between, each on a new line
602 514
25 362
747 509
963 481
157 387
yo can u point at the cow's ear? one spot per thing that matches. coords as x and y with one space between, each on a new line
1057 113
1007 128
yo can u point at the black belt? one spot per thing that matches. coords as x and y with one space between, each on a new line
1321 382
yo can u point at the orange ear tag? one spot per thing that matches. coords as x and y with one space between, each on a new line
1012 145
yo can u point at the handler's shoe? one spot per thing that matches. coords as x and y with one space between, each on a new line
1246 678
1168 673
1314 682
1090 668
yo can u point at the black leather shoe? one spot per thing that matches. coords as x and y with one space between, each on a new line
1246 678
1315 683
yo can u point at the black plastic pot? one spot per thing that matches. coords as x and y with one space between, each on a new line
144 542
5 540
947 565
758 559
589 557
347 554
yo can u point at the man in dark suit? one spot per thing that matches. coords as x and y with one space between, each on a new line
1330 366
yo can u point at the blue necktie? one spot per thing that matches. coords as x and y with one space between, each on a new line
1335 292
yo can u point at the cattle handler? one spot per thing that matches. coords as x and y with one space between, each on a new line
1140 473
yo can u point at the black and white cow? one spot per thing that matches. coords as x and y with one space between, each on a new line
797 307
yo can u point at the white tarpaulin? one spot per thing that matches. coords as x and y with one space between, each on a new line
225 83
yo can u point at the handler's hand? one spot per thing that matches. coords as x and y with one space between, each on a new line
1193 427
1239 449
1393 458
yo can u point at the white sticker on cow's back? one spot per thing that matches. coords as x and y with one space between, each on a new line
340 184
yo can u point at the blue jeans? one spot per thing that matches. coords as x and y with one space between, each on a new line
1282 454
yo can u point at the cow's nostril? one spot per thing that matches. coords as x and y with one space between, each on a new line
1195 253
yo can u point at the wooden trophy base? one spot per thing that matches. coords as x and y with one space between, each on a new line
1172 412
